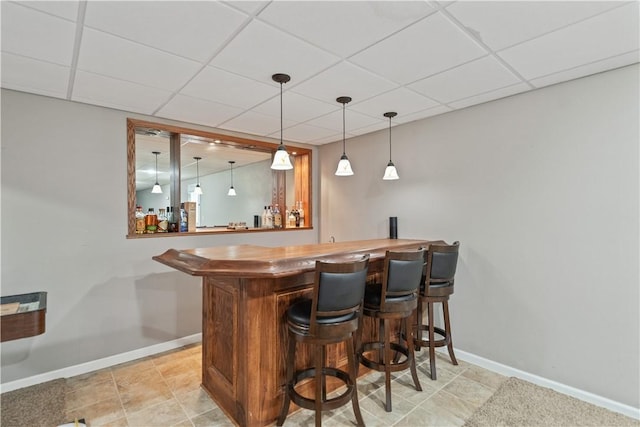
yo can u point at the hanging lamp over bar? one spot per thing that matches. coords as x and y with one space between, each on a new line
156 187
281 159
198 189
390 173
344 166
232 191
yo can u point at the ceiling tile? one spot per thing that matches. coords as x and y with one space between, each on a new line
430 112
304 133
344 79
382 124
37 35
353 120
402 101
257 124
248 6
425 48
344 27
609 34
260 51
490 96
296 107
472 78
30 75
109 92
500 24
217 85
192 29
585 70
199 111
112 56
67 9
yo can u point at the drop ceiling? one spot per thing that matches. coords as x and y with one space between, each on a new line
210 62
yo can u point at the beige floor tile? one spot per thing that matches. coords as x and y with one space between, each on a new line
196 402
91 393
131 373
180 366
145 393
422 416
99 413
487 378
459 407
375 404
89 379
163 414
120 422
215 418
183 423
186 382
469 390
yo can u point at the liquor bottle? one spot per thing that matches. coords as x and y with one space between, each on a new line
301 212
277 217
140 224
285 218
296 214
269 217
163 223
291 218
264 218
173 222
184 225
151 221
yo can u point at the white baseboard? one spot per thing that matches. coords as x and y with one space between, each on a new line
95 365
586 396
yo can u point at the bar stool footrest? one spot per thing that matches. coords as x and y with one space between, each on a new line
394 365
446 338
329 404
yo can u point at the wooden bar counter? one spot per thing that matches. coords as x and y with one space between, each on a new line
246 292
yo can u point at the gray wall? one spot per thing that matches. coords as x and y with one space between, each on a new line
541 189
64 222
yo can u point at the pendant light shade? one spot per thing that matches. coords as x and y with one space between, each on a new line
232 191
281 159
390 173
156 187
198 189
344 166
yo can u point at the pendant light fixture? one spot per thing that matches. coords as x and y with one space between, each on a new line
281 158
156 187
198 189
390 172
344 166
232 191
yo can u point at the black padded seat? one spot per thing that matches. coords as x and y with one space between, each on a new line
396 298
333 315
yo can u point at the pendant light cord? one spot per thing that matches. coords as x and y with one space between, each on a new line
343 132
281 113
389 138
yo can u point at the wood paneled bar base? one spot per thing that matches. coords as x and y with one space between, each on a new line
246 292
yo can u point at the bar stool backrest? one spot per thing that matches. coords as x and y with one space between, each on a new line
402 275
442 260
338 289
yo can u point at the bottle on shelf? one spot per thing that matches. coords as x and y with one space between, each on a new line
171 218
264 218
277 217
140 224
151 221
291 218
296 214
269 217
301 212
163 223
184 225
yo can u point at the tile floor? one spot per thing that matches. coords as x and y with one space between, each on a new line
164 390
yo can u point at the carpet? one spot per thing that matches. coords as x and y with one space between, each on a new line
40 405
521 403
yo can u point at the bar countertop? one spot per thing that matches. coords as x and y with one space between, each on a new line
262 261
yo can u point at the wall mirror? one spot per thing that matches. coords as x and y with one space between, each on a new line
179 160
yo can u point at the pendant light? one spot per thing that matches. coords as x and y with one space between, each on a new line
390 172
232 191
198 189
156 187
281 158
344 166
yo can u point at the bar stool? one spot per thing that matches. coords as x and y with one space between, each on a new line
332 315
395 298
437 286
